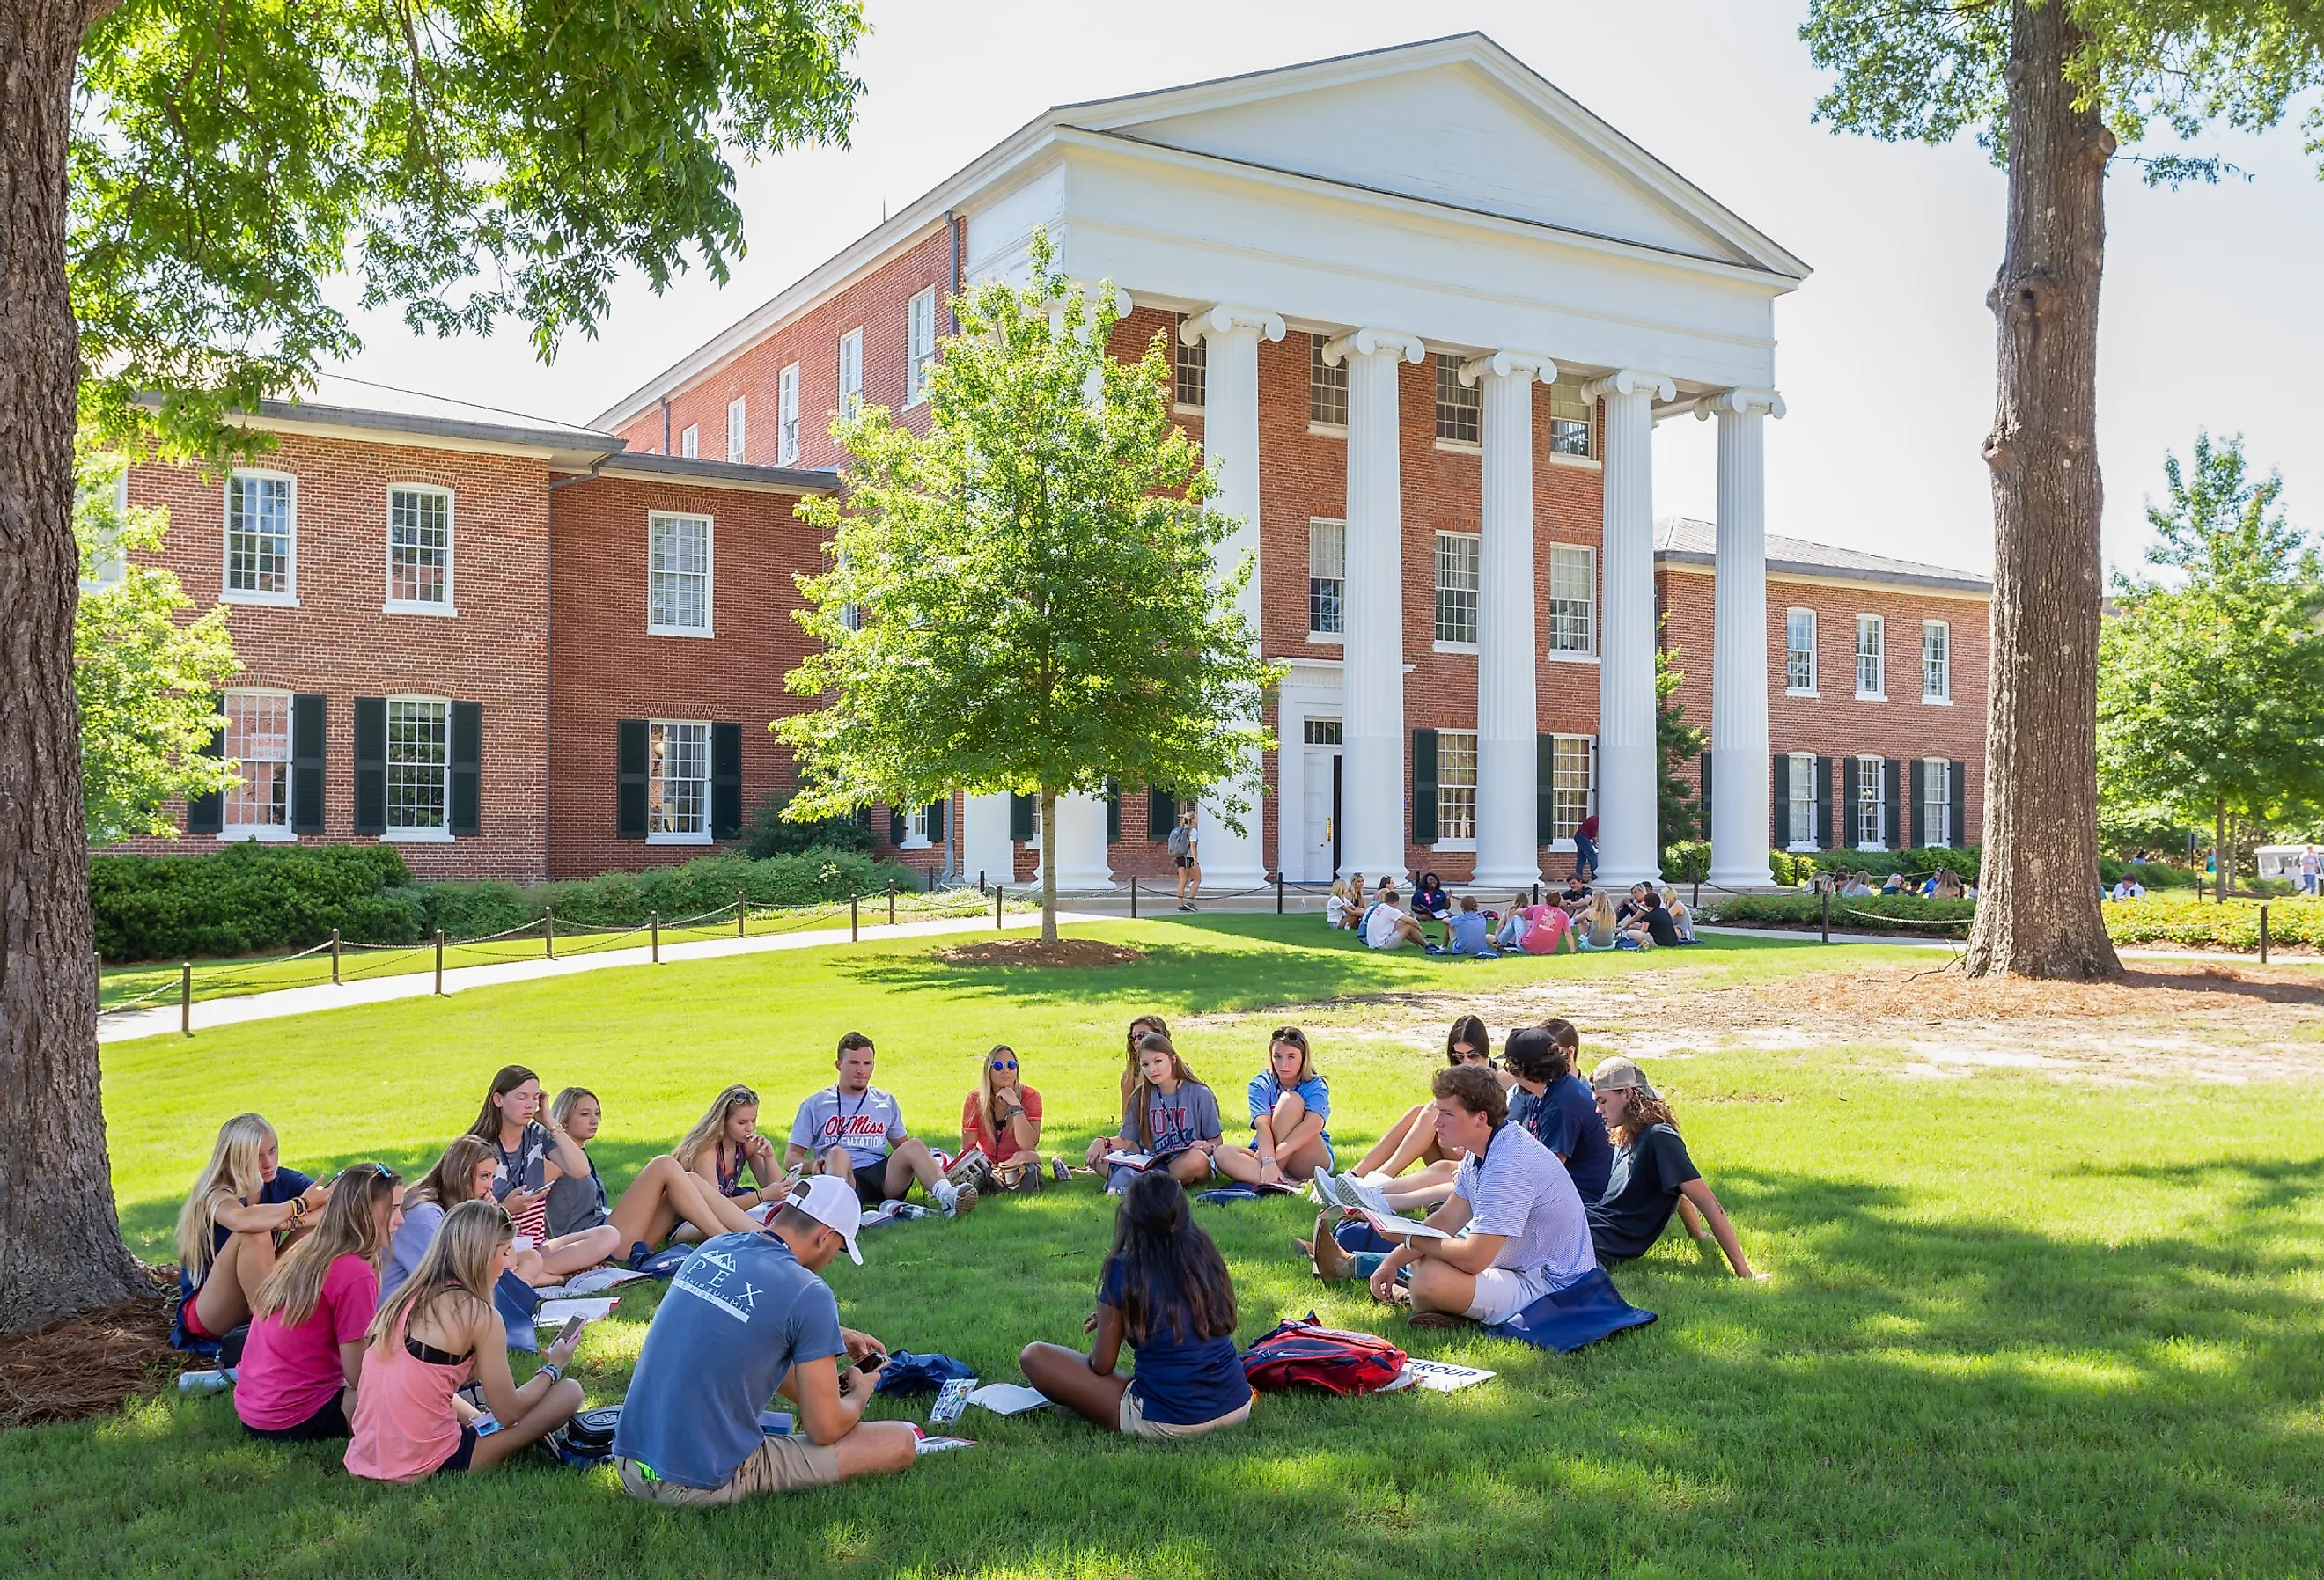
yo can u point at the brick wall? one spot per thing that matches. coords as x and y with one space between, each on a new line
339 644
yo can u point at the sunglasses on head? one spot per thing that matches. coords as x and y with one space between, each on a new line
1005 1064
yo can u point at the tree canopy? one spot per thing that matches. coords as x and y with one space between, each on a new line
2211 683
1024 597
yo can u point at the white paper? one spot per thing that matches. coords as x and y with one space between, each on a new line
596 1279
1442 1376
1396 1228
554 1313
1009 1399
938 1445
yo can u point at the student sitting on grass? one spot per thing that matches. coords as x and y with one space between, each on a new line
1575 897
746 1318
1650 1175
302 1367
1519 1229
1602 930
1338 913
855 1131
1651 927
1002 1119
1470 932
1682 919
1164 1289
1387 928
1139 1028
528 1157
1556 1106
1171 1116
435 1333
463 1173
1413 1138
662 1198
1429 901
244 1207
1289 1104
727 1158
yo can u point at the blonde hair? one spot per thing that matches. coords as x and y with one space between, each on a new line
232 1171
984 1088
1340 888
461 1256
711 1128
448 1183
1293 1036
350 1226
1601 920
561 1107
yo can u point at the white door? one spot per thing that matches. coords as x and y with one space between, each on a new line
1320 768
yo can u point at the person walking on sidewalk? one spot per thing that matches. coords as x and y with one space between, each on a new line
1186 854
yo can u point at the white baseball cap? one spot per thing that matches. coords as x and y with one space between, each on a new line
831 1202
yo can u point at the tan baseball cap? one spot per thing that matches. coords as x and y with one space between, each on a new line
1618 1074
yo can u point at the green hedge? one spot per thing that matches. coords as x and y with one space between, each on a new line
250 898
2205 925
2151 874
1805 911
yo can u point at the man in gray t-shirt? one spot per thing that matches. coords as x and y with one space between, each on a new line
1518 1229
853 1129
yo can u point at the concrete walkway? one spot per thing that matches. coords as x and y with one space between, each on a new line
209 1013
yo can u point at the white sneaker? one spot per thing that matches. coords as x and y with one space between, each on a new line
963 1202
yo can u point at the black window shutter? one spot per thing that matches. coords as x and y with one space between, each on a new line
1920 806
725 781
1021 816
371 765
1959 774
1779 831
306 764
897 827
630 779
1544 794
1851 787
1892 779
1705 808
467 768
206 814
936 810
1424 787
1823 803
1161 814
1113 811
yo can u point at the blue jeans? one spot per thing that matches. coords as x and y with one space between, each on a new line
1585 855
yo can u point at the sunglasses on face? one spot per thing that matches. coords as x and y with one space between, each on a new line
1005 1064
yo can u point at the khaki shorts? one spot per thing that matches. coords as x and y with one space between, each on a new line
778 1465
1503 1292
1134 1423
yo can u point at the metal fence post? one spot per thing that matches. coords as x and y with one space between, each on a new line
440 963
1278 894
742 910
980 880
854 936
891 905
996 907
653 921
1827 915
1133 896
186 998
548 932
335 956
2263 932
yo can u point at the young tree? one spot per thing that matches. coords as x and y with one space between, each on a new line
2053 87
2211 688
146 685
1024 598
177 182
1679 813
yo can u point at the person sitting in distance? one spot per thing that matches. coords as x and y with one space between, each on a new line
1429 901
1389 927
1651 927
1468 932
758 1321
1682 919
853 1130
1575 896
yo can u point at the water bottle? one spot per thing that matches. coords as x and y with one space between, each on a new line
216 1381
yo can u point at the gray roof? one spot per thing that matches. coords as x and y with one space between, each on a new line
1686 541
699 469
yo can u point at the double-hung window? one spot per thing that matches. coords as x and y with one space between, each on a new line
1936 801
678 782
689 441
1572 415
420 551
261 538
920 336
1456 588
1936 661
1573 599
1800 651
1327 577
1802 821
737 428
1569 785
108 566
1459 408
1456 786
258 741
1190 369
787 441
1327 386
850 373
1871 832
678 577
1871 658
419 767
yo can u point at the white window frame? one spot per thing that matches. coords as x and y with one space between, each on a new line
1876 626
851 371
443 608
1327 525
1936 810
738 428
689 441
287 598
1563 752
709 626
1446 791
1872 803
1588 455
919 345
1454 644
916 830
1802 786
656 780
108 565
786 416
1190 364
1943 695
267 832
410 834
1587 653
1791 687
1458 406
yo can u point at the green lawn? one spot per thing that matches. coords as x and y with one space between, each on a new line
2016 1325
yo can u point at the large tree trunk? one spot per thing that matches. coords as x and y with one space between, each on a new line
61 1250
1049 866
2040 914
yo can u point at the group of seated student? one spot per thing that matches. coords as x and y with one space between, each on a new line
1578 919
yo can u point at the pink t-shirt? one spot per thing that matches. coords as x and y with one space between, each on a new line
1545 926
288 1373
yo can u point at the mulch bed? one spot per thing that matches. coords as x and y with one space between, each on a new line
2146 988
91 1365
1078 952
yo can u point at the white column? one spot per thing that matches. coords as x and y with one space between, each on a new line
1739 831
1372 676
1230 337
984 843
1508 759
1628 768
1081 844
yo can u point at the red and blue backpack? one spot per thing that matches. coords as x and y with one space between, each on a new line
1304 1350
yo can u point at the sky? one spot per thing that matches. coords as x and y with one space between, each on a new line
2210 316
